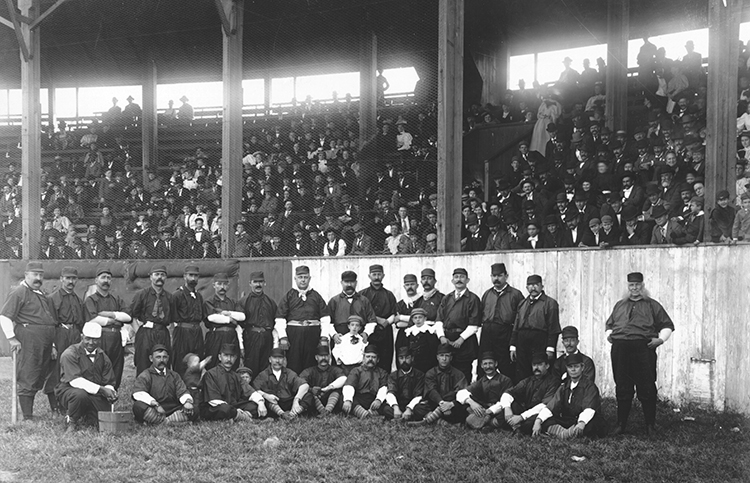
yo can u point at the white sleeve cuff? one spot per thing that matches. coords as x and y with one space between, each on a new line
506 400
326 329
235 315
390 399
85 384
256 397
462 396
533 411
413 403
348 393
186 398
586 415
380 396
664 334
216 402
143 397
512 348
122 317
339 383
238 329
7 326
496 408
551 349
370 328
439 332
101 320
218 319
280 327
544 414
469 331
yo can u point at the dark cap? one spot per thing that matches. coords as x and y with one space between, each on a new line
404 351
576 358
630 213
277 352
371 349
445 349
460 271
230 349
418 311
69 272
102 270
580 196
488 355
472 219
158 348
550 220
348 276
192 269
245 370
635 277
498 269
410 277
257 276
569 331
34 267
532 279
428 272
659 211
539 357
355 318
302 270
376 268
322 350
158 268
222 277
493 220
722 194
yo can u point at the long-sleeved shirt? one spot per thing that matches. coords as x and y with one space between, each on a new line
26 306
405 388
78 370
531 394
295 306
260 311
285 387
227 387
188 306
341 307
96 302
67 308
215 305
316 377
640 319
542 313
166 388
486 391
366 381
382 300
560 371
741 224
501 307
573 400
462 315
443 384
142 307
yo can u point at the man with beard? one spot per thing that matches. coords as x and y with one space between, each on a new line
325 382
570 342
458 321
404 308
222 317
152 308
347 303
526 399
226 395
483 395
257 324
499 310
299 317
159 394
405 388
28 321
384 306
536 327
498 238
107 310
431 297
366 386
284 391
189 313
67 309
441 384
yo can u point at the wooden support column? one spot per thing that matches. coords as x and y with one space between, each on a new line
721 119
51 104
267 93
449 127
31 153
231 131
149 122
368 92
616 81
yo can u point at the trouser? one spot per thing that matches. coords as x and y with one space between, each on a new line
187 340
595 428
215 339
387 410
323 399
464 356
145 339
496 338
634 369
529 342
303 343
383 340
64 338
527 425
79 404
457 414
140 408
111 344
34 358
227 411
363 399
285 405
258 347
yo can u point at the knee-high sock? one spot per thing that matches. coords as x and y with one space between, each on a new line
333 399
361 412
433 416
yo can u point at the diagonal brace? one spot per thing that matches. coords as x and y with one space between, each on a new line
15 19
46 14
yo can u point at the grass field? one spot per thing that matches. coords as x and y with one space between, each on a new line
713 447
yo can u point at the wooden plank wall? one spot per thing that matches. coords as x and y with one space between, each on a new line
706 361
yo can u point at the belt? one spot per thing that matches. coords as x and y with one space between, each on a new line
153 325
189 325
111 328
67 326
260 330
223 329
454 330
303 323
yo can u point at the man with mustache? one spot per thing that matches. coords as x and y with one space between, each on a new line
366 386
67 309
325 382
405 388
499 309
526 399
108 310
441 384
160 395
152 308
384 306
536 327
284 391
189 313
226 395
28 321
347 303
222 316
257 324
483 395
404 308
570 342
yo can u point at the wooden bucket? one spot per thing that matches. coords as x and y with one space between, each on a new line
115 421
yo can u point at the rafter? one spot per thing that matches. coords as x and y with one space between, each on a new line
14 17
226 25
6 22
46 14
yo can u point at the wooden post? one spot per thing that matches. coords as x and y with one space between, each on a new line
368 92
231 131
149 123
450 120
721 119
31 153
51 104
616 81
267 93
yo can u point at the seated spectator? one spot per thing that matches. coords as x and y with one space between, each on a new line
722 219
334 245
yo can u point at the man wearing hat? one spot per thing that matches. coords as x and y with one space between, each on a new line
108 310
300 314
362 243
226 395
159 394
483 395
693 225
325 381
662 232
458 320
346 304
87 378
634 232
637 326
441 384
526 399
575 408
536 328
499 309
573 231
404 308
67 309
259 312
384 307
286 393
722 218
405 388
189 313
431 296
153 309
28 321
222 317
498 238
366 386
570 343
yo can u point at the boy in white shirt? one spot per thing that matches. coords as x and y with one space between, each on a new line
350 352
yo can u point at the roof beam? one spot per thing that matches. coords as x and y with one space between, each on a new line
46 14
15 19
225 24
6 22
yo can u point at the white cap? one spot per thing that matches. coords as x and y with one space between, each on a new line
92 329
